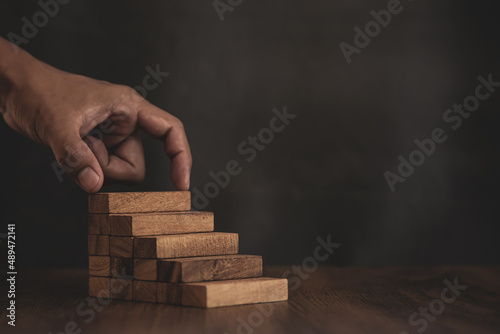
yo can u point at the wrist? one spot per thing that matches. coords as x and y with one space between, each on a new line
16 69
7 55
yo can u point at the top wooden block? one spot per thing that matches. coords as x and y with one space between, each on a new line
140 202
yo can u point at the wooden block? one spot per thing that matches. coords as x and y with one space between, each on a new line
186 245
210 268
169 293
121 247
99 266
145 270
145 291
121 288
98 244
135 202
99 287
224 293
141 224
99 224
122 267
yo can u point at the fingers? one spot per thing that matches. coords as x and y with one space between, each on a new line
161 125
77 160
125 164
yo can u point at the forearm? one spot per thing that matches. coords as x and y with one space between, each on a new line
6 54
15 68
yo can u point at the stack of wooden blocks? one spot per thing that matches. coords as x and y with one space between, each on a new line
149 247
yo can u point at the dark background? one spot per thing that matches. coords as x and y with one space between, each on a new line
324 173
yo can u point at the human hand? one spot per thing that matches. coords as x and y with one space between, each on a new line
60 109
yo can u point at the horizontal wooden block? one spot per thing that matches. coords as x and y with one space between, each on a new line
141 224
99 287
99 266
121 288
224 293
98 244
210 268
122 267
186 245
145 291
186 270
145 269
99 224
121 247
136 202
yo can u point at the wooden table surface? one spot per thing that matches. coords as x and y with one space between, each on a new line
330 300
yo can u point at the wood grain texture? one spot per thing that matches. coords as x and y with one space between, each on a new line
137 202
186 245
99 287
121 247
169 293
98 244
225 293
374 300
99 224
146 269
122 267
121 288
210 268
141 224
99 266
145 291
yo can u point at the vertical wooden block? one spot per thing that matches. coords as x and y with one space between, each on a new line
224 293
145 291
145 269
186 245
98 244
122 267
141 224
136 202
99 224
99 266
169 293
121 288
121 247
99 287
209 268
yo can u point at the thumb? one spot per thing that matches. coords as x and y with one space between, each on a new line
78 161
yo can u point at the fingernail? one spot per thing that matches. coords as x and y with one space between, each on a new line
88 178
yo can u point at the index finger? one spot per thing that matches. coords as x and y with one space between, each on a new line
163 126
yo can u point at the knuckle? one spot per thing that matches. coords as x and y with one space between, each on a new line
176 122
71 155
128 92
